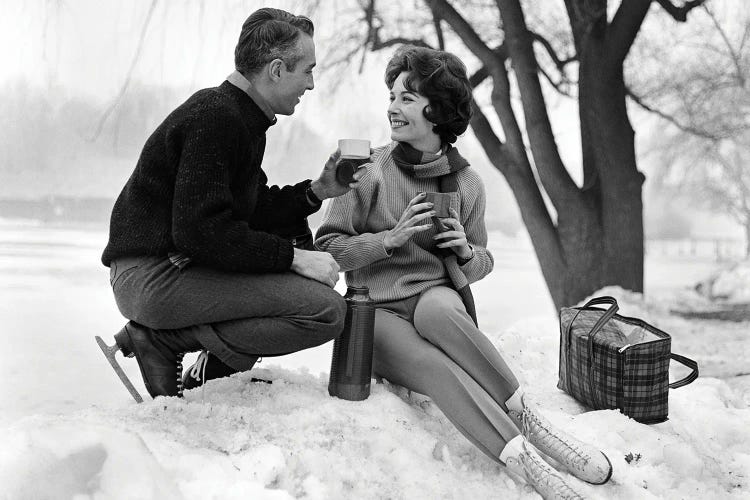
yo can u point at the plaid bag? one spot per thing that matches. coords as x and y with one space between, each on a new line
610 361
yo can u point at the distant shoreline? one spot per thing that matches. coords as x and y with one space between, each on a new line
94 211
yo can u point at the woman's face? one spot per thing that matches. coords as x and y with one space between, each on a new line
408 124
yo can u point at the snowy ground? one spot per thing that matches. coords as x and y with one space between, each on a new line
71 431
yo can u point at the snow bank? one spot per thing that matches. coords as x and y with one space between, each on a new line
238 439
731 283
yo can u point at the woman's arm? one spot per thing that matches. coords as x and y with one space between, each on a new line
343 232
482 263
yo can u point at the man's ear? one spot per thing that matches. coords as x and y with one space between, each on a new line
274 69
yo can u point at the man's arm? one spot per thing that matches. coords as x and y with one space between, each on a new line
282 207
204 225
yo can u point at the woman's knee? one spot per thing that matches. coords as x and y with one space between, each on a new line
437 307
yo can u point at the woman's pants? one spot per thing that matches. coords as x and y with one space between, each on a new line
236 316
430 345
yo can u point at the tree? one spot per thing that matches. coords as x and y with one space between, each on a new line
703 96
586 236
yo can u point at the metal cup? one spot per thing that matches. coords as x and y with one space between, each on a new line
354 153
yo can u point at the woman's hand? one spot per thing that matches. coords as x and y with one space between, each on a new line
455 237
410 223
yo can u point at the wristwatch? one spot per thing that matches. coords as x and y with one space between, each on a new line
311 196
461 261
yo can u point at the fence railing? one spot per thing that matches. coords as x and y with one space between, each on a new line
718 249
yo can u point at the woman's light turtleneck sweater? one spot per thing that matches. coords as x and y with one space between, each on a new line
356 223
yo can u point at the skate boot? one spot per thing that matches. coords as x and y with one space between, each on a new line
159 355
584 461
522 459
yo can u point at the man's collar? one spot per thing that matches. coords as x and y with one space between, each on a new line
238 80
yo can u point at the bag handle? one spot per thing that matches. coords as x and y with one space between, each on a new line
611 311
690 364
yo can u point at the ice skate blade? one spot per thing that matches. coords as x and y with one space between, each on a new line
109 353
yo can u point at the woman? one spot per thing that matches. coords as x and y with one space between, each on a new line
425 336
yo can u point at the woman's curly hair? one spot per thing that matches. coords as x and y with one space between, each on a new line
441 77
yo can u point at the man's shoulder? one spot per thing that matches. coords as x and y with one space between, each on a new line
210 104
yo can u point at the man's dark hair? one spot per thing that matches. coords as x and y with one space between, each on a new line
441 77
270 34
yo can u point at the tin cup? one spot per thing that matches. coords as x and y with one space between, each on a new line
441 203
354 153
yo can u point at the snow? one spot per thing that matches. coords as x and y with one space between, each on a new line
731 283
71 431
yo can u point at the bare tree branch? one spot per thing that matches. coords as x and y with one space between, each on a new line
553 175
438 31
482 73
623 29
491 143
559 86
129 74
564 81
478 77
736 59
679 13
671 119
445 11
560 63
378 45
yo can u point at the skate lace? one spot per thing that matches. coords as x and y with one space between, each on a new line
569 450
198 372
542 475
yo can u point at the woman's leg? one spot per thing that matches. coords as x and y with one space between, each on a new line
441 319
406 359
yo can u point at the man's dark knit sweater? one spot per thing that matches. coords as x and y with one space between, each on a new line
198 189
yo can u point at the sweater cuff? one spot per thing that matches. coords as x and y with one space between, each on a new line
369 249
285 255
304 208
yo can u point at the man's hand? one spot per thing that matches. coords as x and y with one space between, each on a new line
318 266
326 186
410 223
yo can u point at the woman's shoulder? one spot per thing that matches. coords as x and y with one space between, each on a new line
469 178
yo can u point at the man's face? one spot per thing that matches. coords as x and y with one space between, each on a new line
292 84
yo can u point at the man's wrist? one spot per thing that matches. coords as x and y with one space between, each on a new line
316 187
312 197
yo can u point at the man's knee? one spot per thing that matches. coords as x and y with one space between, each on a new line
330 312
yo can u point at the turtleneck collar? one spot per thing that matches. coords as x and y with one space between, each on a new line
238 80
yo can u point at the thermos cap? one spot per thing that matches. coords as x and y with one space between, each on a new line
357 293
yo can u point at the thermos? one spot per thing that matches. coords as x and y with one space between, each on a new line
351 364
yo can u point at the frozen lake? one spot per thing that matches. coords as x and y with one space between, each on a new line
55 296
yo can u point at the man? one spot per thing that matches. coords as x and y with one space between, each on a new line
196 259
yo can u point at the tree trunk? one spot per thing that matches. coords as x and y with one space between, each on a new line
598 236
615 185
